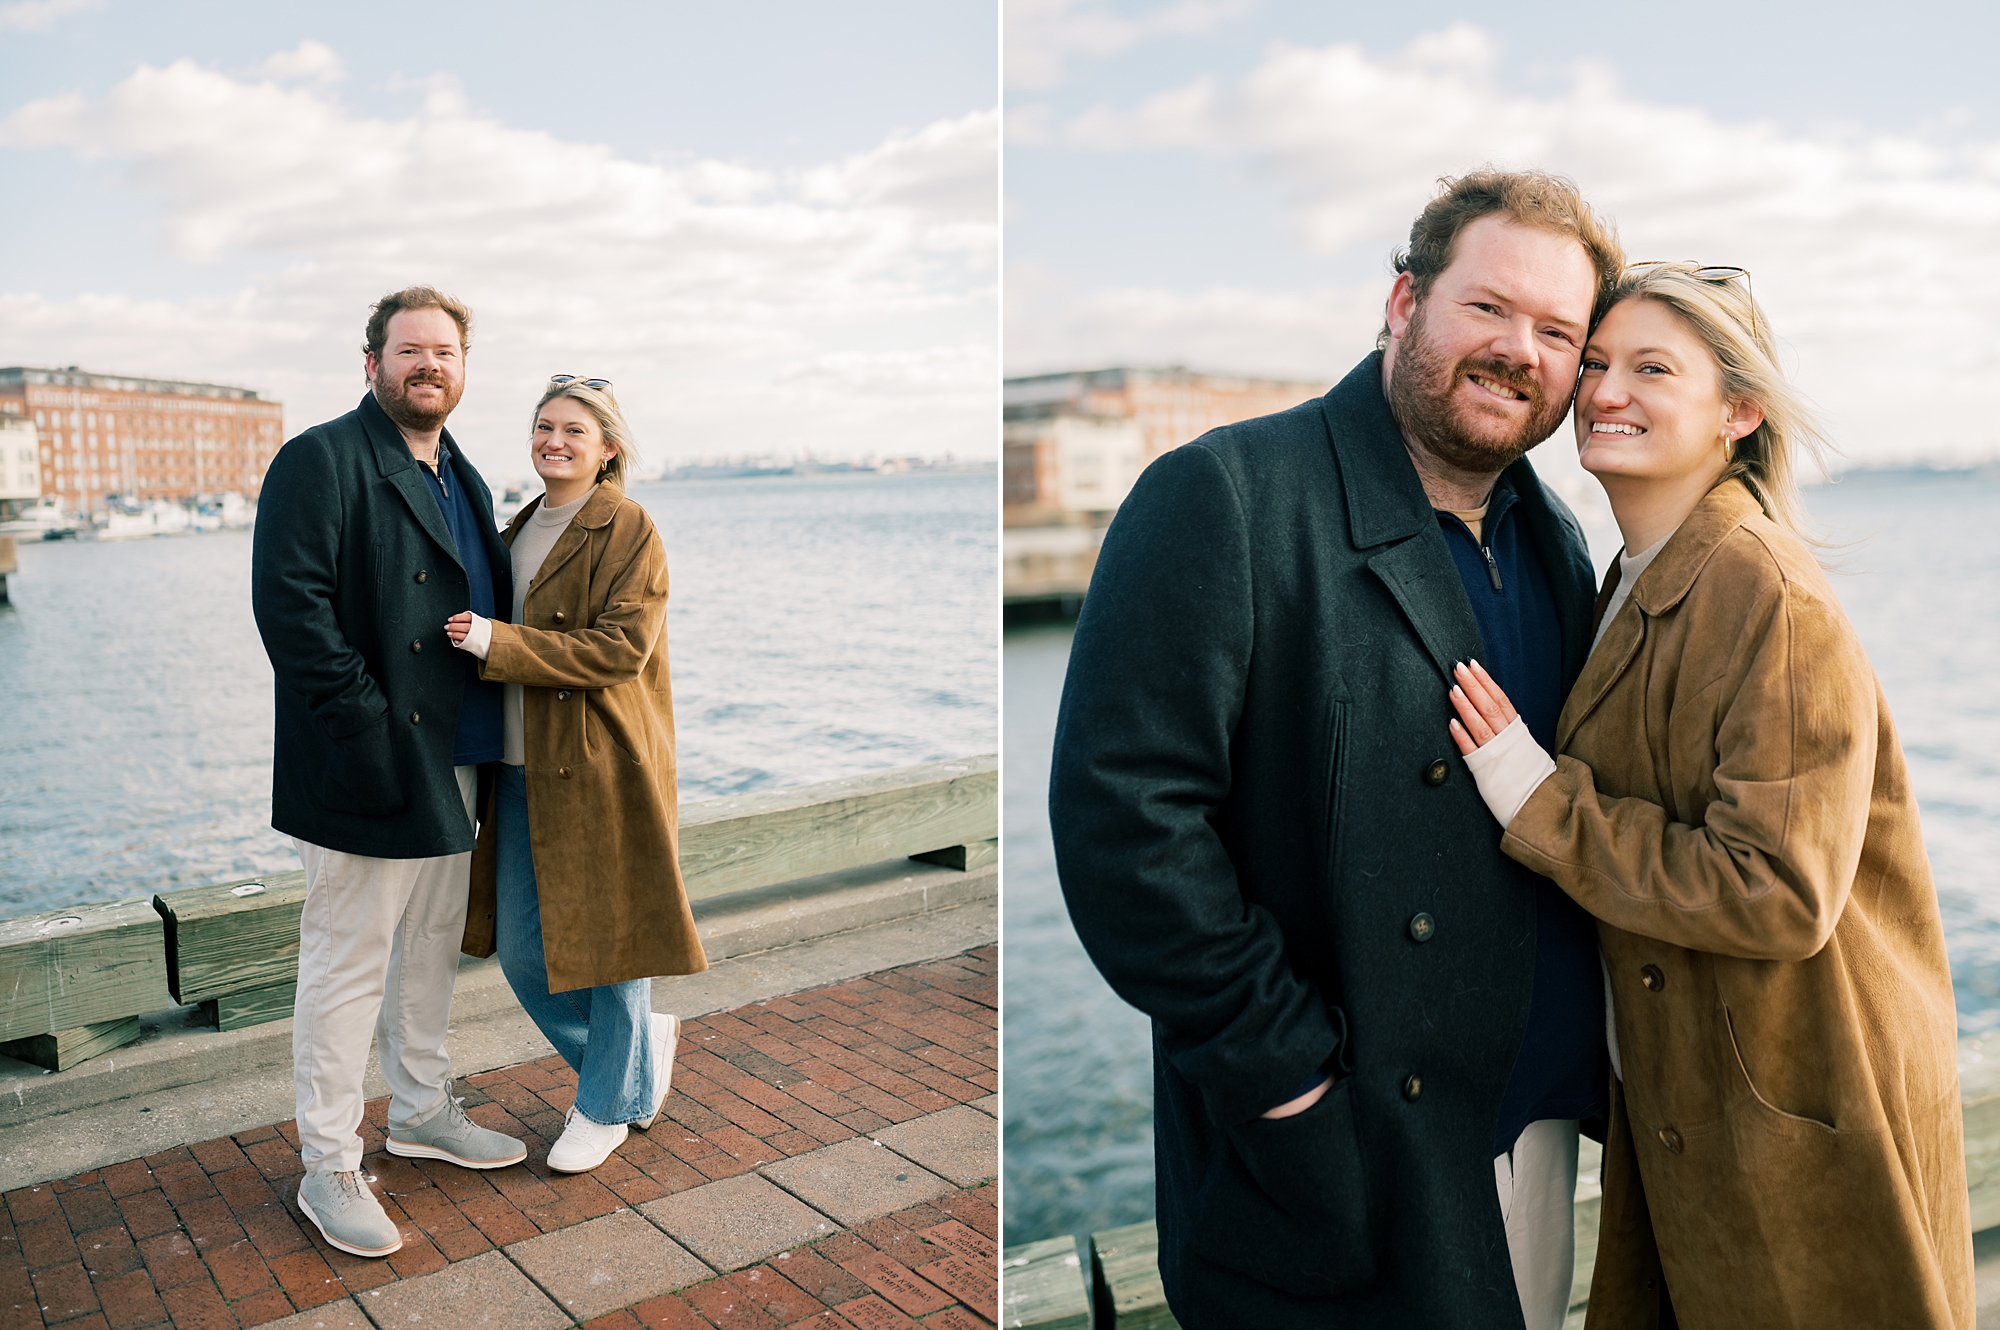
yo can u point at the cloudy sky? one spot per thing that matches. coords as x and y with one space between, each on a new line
1219 182
773 224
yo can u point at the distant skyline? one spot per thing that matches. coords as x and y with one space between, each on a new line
773 227
1219 183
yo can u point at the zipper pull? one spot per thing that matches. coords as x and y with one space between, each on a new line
1492 568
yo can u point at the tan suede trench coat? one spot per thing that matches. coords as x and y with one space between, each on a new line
1731 804
598 726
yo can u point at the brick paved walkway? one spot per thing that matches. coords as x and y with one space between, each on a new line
825 1160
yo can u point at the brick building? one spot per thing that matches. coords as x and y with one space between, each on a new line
105 435
1074 443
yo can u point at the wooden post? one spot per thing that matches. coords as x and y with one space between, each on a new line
964 858
65 1048
233 947
9 563
1125 1268
1042 1286
67 969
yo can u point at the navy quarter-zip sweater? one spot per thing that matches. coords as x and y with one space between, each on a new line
1560 1071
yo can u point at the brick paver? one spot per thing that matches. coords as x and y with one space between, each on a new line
210 1234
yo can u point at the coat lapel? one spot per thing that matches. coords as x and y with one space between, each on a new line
1658 590
1607 664
1386 506
1565 557
596 512
393 461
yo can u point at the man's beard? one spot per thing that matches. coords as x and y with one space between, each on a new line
1421 385
394 398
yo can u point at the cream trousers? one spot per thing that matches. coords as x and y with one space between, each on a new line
1537 1185
378 951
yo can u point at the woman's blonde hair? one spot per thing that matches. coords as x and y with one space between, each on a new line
1728 321
602 405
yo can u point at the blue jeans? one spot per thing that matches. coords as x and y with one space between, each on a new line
604 1033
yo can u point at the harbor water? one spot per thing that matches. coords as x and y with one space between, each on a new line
1920 578
818 627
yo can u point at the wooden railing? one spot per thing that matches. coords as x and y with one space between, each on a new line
73 983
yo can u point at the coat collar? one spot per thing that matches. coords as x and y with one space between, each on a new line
1673 570
1387 506
395 464
595 513
1385 499
1663 585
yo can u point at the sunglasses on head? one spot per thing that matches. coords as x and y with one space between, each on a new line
1713 272
555 379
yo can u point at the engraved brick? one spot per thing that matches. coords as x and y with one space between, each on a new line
896 1282
977 1287
872 1313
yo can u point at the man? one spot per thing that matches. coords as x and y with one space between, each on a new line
372 530
1268 843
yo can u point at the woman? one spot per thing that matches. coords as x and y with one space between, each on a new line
575 877
1731 804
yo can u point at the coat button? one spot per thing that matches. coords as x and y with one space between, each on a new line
1650 976
1437 773
417 645
423 577
1413 1088
416 718
563 696
563 772
559 616
1422 926
1671 1139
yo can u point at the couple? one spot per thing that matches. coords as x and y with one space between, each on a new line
474 750
1325 651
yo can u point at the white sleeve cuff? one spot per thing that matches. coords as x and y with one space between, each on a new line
478 638
1509 767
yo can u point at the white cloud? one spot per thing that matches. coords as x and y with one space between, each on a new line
308 62
1043 36
41 15
1872 252
692 284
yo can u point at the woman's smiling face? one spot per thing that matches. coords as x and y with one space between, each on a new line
568 443
1649 403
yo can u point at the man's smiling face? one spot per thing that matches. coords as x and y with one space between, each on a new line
1485 364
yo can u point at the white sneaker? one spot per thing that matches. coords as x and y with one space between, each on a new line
666 1032
584 1144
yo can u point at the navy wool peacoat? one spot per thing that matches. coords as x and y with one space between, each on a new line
353 574
1255 804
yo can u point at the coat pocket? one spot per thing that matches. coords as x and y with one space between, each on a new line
1286 1202
360 773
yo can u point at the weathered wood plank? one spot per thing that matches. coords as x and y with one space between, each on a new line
1042 1286
1979 1093
229 938
963 857
752 840
233 1011
1125 1268
65 1048
66 969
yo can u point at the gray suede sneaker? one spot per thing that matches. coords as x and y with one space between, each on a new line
347 1213
455 1138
